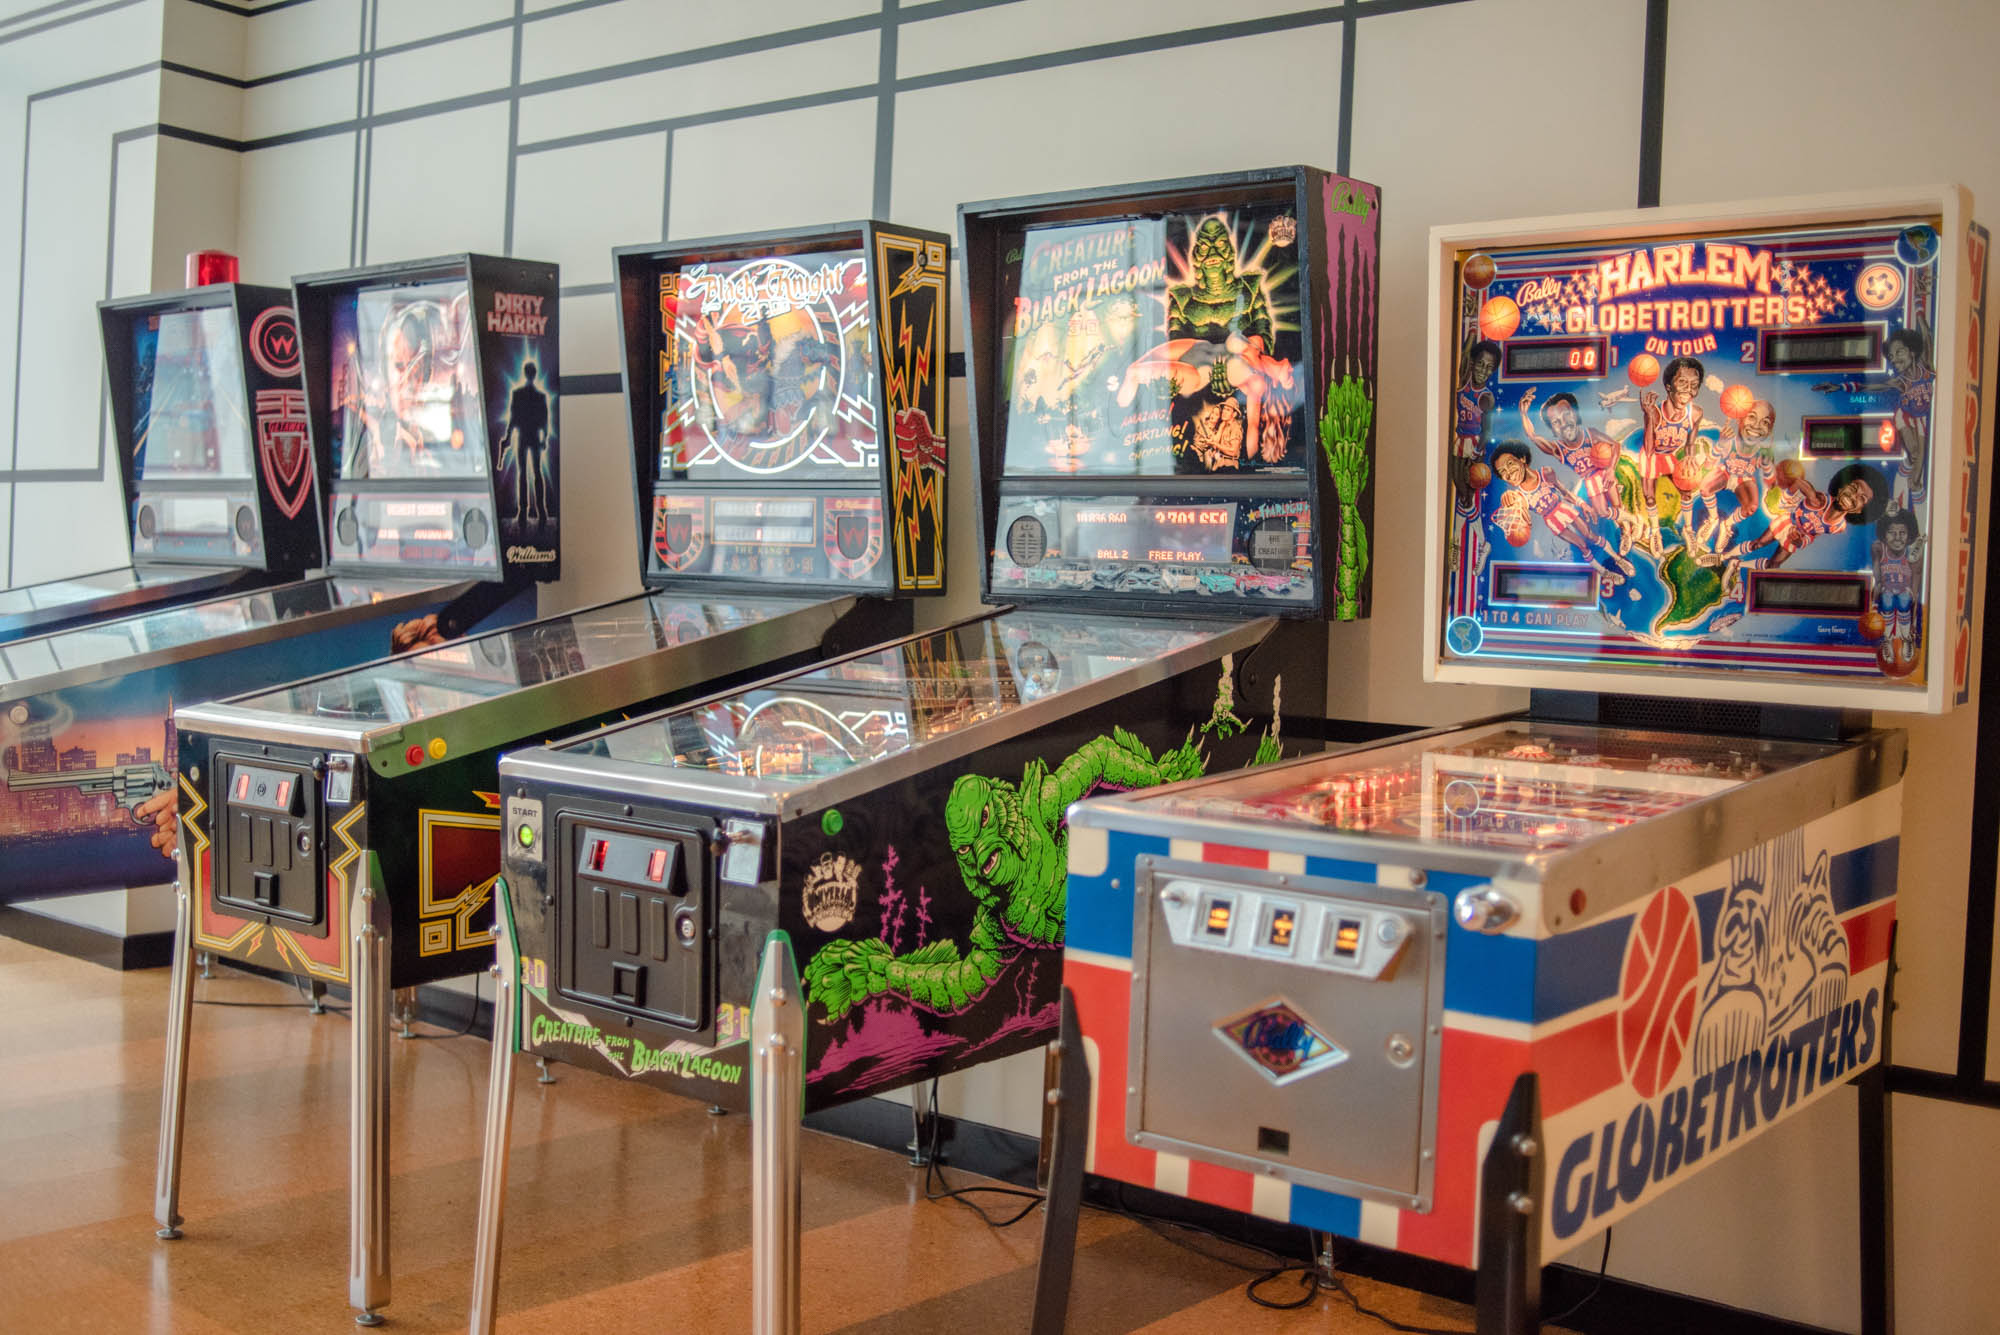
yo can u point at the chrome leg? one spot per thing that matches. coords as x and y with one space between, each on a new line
368 1100
173 1090
499 1124
777 1104
403 1006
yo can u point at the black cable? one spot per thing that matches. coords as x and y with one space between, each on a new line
1310 1277
272 1005
1602 1263
963 1195
471 1014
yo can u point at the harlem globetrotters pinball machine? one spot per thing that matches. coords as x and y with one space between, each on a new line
789 492
1172 390
218 481
1701 479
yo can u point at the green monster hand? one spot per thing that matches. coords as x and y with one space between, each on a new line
1343 434
843 974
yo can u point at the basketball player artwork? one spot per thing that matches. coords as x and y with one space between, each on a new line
1703 452
1160 345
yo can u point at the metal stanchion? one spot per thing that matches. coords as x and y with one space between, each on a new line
499 1120
368 1101
777 1106
173 1090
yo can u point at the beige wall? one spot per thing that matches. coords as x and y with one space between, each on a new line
632 118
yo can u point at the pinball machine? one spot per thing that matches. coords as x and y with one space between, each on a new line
1172 389
409 373
1702 478
347 827
218 483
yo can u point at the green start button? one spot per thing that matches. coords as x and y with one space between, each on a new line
524 834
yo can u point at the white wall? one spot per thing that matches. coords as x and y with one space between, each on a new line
351 131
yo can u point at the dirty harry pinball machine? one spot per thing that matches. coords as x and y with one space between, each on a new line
212 452
1703 480
1160 375
226 463
347 827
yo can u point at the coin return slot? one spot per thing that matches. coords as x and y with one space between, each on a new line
1270 1140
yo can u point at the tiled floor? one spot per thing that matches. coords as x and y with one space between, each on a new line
627 1210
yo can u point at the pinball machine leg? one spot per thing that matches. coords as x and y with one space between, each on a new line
1071 1100
368 1102
1874 1135
173 1089
499 1125
777 1106
1509 1282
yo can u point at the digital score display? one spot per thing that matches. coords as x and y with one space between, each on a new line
1197 534
267 790
1544 585
787 522
1847 437
1847 348
1560 358
1809 595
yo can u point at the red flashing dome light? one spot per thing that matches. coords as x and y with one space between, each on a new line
207 267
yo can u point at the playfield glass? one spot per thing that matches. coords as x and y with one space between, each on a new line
178 626
766 368
188 416
422 685
1521 787
1695 451
789 733
1154 345
405 383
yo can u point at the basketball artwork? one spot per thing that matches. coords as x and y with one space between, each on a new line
1707 452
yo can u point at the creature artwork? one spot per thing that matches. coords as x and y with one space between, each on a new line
884 1010
1156 345
1695 452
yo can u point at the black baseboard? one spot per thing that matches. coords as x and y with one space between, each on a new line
145 950
1614 1307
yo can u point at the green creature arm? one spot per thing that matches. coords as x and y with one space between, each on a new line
1255 321
1343 434
843 974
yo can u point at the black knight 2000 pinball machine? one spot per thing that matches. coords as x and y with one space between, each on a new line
1172 391
347 827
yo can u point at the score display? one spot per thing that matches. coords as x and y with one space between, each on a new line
1557 358
1169 533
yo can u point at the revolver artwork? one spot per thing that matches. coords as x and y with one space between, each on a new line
129 785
